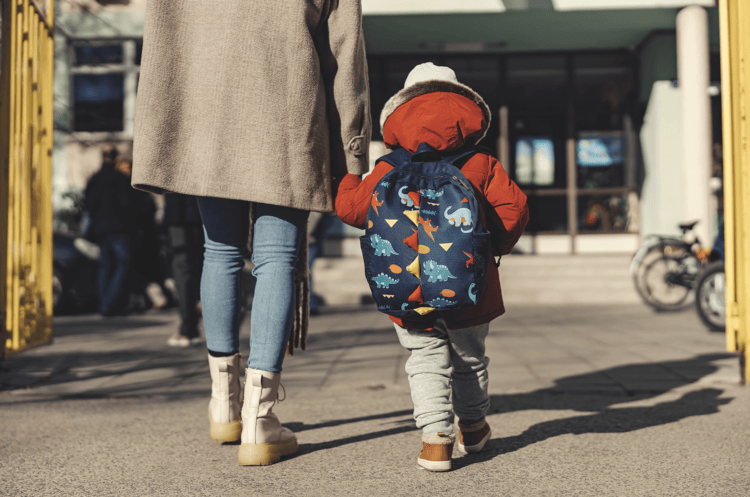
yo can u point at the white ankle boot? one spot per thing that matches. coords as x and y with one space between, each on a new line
264 440
226 398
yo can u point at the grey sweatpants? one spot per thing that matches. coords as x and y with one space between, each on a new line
442 357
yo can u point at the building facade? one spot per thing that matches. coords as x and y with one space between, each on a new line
593 113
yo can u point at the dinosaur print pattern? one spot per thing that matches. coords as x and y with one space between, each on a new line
460 217
386 184
437 272
431 213
471 259
375 204
433 203
438 303
472 295
382 247
411 199
431 194
384 281
428 228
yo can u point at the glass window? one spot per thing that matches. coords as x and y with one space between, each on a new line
98 102
480 73
603 90
605 213
102 54
547 213
600 160
535 161
536 85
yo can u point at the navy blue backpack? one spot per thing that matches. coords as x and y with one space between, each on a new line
424 247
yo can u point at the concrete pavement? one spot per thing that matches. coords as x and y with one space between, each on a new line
592 400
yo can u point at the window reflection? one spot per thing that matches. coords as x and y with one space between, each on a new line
599 157
607 213
98 102
547 214
535 161
104 54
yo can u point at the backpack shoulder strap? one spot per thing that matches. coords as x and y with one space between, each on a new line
397 158
463 156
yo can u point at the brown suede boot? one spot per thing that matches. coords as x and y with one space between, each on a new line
264 440
226 398
436 452
473 436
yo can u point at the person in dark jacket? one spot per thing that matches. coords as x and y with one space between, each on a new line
107 199
182 219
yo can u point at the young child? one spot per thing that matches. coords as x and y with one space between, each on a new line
447 348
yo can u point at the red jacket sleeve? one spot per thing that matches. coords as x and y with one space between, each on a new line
354 195
509 203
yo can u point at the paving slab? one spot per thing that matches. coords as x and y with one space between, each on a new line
601 400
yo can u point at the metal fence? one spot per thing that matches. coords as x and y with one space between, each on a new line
735 80
26 90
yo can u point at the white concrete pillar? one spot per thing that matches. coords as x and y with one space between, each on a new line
693 75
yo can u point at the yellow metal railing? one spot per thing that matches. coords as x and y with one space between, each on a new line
734 18
26 174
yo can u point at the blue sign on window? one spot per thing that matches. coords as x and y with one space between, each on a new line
602 150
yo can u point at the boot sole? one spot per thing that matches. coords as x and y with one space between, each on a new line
471 449
266 453
226 432
434 465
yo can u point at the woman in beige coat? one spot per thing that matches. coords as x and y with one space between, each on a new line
260 102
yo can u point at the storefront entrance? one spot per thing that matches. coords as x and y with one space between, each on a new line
565 129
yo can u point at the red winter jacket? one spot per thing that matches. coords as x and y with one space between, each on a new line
445 121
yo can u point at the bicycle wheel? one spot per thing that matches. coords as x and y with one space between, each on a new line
676 249
663 284
710 296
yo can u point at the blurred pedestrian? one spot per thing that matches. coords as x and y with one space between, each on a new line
319 227
108 202
147 274
264 106
447 346
182 221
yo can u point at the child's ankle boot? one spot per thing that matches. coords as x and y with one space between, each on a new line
472 436
436 451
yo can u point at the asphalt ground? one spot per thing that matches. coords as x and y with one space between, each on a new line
599 400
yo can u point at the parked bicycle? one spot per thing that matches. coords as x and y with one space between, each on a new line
710 289
665 268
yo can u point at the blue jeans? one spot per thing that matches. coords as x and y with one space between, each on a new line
114 263
276 238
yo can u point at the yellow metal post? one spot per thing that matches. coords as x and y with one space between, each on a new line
26 98
734 18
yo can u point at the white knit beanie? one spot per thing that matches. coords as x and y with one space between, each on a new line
429 78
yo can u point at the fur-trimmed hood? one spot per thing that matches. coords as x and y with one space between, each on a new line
435 86
444 120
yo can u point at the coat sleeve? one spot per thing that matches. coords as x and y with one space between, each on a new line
509 202
353 196
341 49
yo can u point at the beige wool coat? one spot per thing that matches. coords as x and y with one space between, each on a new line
252 100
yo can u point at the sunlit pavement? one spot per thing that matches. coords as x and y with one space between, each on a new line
597 400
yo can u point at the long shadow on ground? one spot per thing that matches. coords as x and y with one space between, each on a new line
584 393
